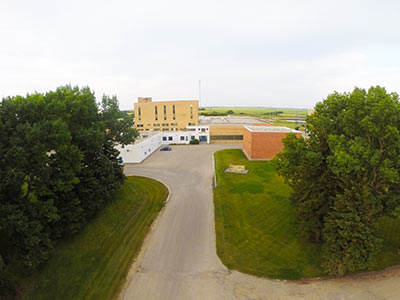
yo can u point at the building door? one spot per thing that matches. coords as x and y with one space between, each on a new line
203 138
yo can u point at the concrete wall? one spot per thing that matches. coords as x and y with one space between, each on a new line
186 114
139 151
263 145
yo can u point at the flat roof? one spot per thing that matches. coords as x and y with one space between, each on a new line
230 120
168 101
271 129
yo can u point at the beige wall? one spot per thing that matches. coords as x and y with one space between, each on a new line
225 130
186 113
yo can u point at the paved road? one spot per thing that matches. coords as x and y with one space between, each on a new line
178 259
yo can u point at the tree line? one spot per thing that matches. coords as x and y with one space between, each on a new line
58 167
346 175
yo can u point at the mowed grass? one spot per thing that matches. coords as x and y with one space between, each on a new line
94 263
255 224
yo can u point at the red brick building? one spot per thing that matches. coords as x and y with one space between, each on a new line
264 142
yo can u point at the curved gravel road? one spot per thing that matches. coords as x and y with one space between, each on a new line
178 259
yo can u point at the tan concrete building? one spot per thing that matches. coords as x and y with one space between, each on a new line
165 115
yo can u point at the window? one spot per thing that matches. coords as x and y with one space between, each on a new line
170 138
203 130
191 108
165 129
182 138
155 110
173 109
139 111
165 109
174 124
156 129
226 137
156 125
164 138
139 125
192 137
173 117
165 124
186 138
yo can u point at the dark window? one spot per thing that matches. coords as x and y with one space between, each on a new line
173 109
139 111
226 137
192 137
165 109
170 138
182 138
156 125
139 125
164 138
165 124
155 109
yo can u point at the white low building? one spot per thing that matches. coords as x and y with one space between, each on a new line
150 141
201 133
143 147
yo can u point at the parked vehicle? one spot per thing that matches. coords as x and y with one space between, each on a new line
166 148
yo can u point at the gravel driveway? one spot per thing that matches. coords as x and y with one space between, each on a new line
178 259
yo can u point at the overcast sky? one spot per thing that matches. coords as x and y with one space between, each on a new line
246 53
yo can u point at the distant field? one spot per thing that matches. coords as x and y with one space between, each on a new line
264 113
255 224
257 110
94 263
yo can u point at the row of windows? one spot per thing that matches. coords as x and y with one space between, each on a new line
165 109
182 138
226 137
163 124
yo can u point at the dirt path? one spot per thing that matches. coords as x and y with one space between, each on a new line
179 261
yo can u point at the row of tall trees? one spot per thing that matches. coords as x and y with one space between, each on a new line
346 175
58 167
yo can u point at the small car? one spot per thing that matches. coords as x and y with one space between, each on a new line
166 148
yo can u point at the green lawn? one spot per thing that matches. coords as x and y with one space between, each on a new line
94 263
255 227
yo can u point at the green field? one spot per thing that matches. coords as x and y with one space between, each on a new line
263 113
255 228
94 263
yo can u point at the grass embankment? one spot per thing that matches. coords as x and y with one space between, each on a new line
255 224
264 113
94 263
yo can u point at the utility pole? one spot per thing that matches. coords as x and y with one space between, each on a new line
199 93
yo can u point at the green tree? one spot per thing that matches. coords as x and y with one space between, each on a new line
345 175
58 166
